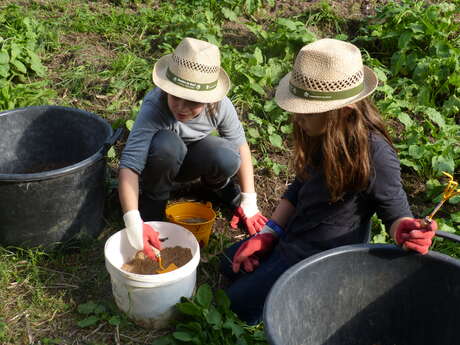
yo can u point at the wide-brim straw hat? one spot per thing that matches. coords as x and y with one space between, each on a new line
192 72
328 74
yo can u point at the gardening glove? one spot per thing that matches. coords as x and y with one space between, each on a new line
142 236
249 213
415 234
262 243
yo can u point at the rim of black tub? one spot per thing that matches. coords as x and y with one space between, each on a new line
112 137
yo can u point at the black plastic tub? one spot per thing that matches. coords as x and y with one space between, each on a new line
52 174
366 295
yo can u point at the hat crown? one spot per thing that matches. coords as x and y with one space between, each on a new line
196 61
328 65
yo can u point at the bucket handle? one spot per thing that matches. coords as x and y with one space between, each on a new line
110 141
448 236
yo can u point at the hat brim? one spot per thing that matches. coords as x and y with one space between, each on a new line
294 104
215 95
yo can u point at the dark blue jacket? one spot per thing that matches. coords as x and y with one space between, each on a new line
318 224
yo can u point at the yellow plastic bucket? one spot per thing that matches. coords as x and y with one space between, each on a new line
194 216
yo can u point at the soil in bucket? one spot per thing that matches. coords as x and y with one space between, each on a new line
141 264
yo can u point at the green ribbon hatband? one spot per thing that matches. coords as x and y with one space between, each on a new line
189 84
325 96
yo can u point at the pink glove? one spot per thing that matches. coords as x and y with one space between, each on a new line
249 214
415 234
248 253
151 238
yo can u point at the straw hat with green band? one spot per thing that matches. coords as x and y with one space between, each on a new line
328 74
192 72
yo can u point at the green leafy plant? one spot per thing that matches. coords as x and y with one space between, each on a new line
98 312
207 319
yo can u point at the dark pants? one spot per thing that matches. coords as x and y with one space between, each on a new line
248 291
170 160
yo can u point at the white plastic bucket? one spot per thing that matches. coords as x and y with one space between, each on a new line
149 299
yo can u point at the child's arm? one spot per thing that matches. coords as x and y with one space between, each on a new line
128 189
246 172
141 236
247 211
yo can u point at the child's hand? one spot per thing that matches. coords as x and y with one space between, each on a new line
246 254
141 236
151 238
249 213
415 234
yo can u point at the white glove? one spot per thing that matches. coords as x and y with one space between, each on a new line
134 229
249 204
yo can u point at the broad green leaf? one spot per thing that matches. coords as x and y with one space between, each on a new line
416 151
276 140
380 74
129 124
204 295
35 64
214 317
89 321
258 55
447 228
257 88
4 70
253 132
289 24
404 39
229 14
405 120
236 329
409 164
442 163
99 309
455 217
115 320
424 95
269 106
222 300
442 49
435 116
15 51
188 308
87 308
19 66
454 200
111 152
183 336
4 57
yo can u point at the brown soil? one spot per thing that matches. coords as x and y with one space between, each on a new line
141 264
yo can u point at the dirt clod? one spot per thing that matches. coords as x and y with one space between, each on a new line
141 264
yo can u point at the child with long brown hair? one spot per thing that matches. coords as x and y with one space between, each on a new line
346 170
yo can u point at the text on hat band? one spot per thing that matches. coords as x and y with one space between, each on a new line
190 84
325 95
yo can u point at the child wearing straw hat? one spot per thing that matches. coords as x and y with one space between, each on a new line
346 170
171 141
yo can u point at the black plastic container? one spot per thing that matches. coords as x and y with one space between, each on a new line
366 295
52 174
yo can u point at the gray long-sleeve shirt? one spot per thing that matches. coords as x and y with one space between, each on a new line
318 224
155 115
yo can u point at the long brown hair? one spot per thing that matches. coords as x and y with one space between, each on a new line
343 147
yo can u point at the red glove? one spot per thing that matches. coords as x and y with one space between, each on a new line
248 253
415 234
151 238
253 224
